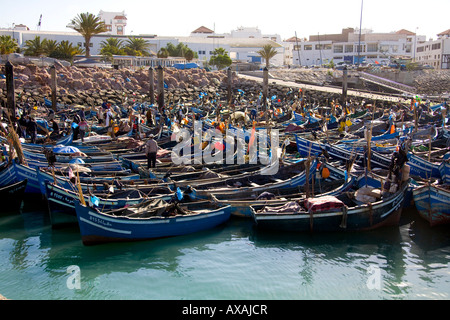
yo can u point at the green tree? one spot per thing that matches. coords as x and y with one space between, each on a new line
34 47
163 53
112 46
267 53
50 46
87 25
220 59
189 54
8 45
137 47
66 51
181 50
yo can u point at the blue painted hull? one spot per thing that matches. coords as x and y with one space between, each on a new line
359 218
62 208
433 204
97 227
444 169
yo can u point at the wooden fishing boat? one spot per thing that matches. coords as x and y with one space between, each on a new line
13 194
240 203
331 214
61 200
444 169
148 220
433 203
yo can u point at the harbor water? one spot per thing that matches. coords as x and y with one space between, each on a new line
234 261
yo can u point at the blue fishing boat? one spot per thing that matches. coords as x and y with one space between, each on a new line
332 214
62 208
13 194
433 203
444 169
338 181
148 220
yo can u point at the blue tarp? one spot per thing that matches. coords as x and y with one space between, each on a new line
65 149
183 66
76 161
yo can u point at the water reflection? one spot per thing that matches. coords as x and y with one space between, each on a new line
232 261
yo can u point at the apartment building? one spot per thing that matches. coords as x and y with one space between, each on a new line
435 53
352 47
115 22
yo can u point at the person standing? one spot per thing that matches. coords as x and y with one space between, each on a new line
32 129
151 150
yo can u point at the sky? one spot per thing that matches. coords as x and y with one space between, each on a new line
283 17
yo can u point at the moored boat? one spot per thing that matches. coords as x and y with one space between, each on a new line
148 220
433 203
332 213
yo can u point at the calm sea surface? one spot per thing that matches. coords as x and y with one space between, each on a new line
232 262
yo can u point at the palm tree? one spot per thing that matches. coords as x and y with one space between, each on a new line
162 53
112 46
67 51
267 53
34 47
137 47
8 45
87 25
50 46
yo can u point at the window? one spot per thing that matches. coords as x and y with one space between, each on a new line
372 47
297 47
327 46
338 49
420 49
362 48
394 48
308 47
348 48
384 48
319 47
436 46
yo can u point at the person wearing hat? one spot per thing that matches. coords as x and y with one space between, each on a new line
151 148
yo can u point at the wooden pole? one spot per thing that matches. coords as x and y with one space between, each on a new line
229 95
151 75
344 87
53 86
10 95
265 92
160 90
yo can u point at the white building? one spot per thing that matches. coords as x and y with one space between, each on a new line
242 44
435 53
350 47
115 22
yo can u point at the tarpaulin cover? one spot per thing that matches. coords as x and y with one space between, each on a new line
65 149
324 203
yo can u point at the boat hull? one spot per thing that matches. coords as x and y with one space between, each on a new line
96 227
361 218
433 204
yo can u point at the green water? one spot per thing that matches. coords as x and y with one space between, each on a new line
232 262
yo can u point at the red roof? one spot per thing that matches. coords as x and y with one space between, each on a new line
120 17
445 33
203 29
